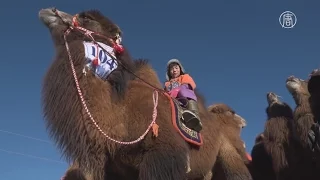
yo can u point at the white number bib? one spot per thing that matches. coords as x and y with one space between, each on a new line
106 65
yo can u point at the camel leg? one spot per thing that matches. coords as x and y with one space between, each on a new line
208 176
232 164
164 163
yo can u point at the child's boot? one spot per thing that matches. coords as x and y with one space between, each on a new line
191 116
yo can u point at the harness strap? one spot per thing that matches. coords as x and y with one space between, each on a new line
316 136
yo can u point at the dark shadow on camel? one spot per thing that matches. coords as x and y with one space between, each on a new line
261 164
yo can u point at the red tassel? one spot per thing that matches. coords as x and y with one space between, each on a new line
95 62
118 48
155 129
74 21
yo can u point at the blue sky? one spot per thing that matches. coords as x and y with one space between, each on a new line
236 52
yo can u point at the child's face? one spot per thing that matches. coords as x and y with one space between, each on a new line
175 71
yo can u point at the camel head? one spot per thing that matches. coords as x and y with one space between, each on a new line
277 108
58 22
298 88
50 18
229 112
314 82
273 98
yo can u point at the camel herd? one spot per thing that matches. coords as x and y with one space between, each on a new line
97 122
288 148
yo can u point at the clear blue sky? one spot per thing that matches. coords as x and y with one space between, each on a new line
236 52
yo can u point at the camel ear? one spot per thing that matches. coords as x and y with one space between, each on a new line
259 138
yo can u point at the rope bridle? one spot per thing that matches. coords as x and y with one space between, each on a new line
118 50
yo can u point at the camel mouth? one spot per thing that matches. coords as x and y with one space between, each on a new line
292 79
243 122
293 84
51 17
272 98
314 82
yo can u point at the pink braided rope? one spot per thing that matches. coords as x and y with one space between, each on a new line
154 96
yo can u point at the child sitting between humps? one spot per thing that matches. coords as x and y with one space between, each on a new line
181 86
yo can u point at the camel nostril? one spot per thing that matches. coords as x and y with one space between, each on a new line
269 94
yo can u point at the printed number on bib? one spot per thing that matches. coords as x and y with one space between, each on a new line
106 65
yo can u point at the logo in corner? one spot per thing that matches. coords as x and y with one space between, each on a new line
287 19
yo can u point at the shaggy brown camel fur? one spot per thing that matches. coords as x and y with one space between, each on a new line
261 164
277 136
122 112
303 117
314 100
232 124
314 90
75 173
303 121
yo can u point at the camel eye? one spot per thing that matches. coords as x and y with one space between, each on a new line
86 17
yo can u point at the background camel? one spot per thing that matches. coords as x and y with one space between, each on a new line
303 117
123 112
232 123
314 90
314 100
303 121
277 135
